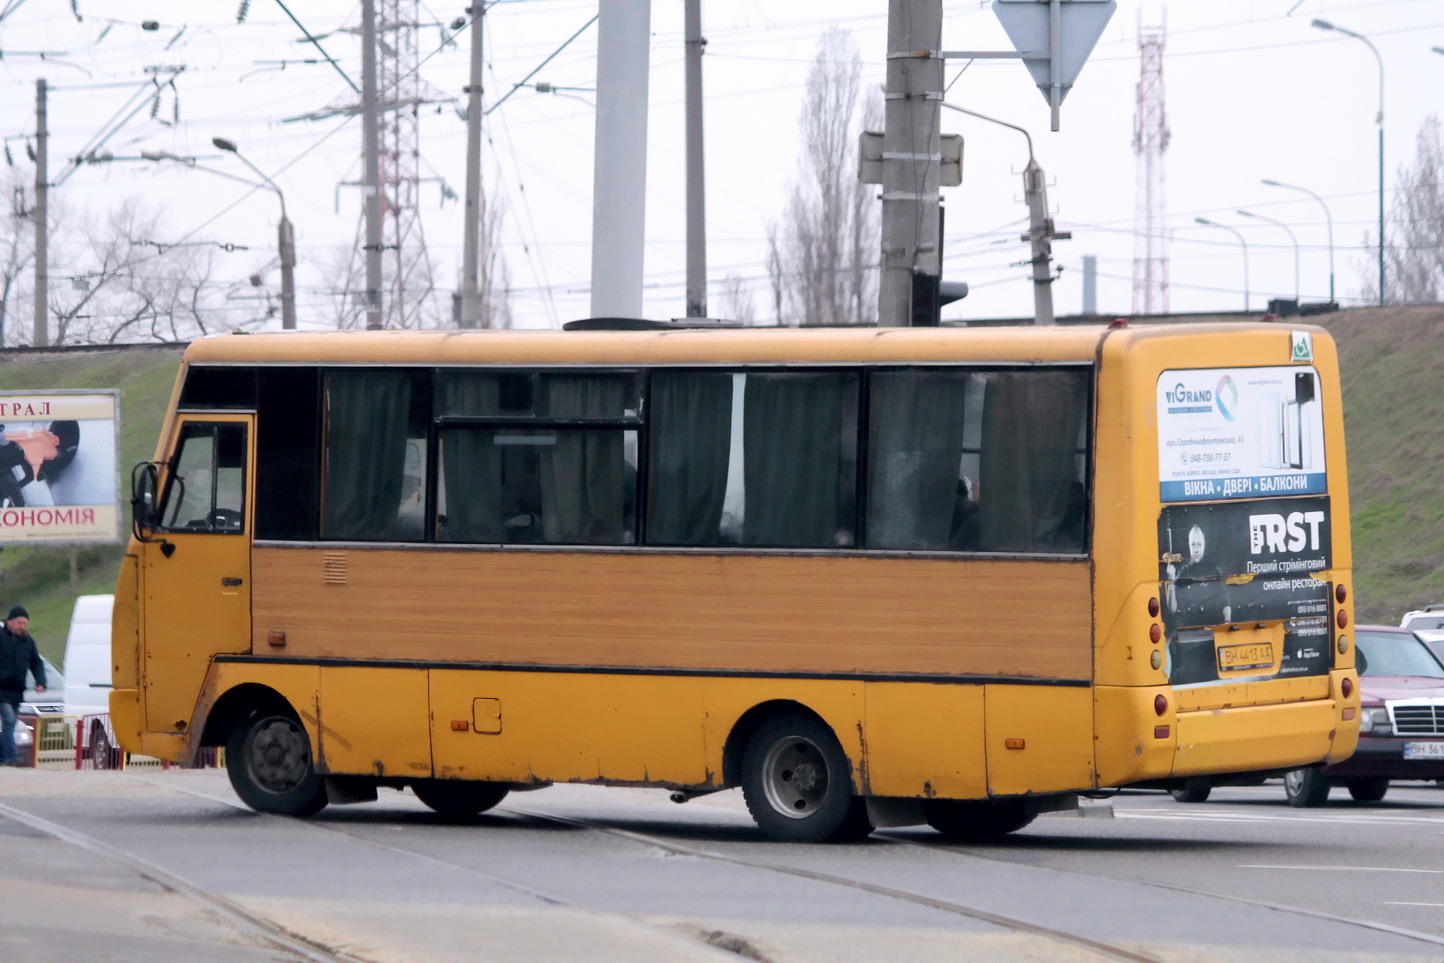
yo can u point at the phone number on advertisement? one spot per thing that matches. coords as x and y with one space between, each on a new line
1206 457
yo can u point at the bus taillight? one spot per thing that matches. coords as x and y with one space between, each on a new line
1340 593
1155 632
1153 608
1160 704
1347 687
1343 619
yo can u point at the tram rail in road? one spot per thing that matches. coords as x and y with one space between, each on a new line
864 871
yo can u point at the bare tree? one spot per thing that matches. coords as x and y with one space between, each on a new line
736 300
113 279
824 261
17 250
495 275
1414 258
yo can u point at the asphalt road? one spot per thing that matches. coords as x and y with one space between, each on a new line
169 867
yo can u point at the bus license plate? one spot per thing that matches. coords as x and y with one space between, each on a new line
1255 655
1424 750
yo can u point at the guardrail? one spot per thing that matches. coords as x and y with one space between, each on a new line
88 742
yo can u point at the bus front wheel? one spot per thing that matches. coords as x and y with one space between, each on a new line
268 759
976 820
451 797
797 783
1306 788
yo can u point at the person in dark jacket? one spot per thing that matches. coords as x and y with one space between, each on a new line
17 655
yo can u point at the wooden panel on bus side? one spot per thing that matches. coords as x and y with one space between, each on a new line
567 727
773 614
374 721
924 740
1055 726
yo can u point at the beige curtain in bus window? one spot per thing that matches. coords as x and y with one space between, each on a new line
1031 497
690 430
366 415
471 461
915 446
794 431
582 475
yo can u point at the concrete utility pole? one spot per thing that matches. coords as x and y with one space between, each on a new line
619 180
371 146
696 192
41 336
911 157
1040 235
471 231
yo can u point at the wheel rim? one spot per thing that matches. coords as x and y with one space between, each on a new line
1294 781
278 755
99 749
795 777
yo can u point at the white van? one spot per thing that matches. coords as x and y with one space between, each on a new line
87 656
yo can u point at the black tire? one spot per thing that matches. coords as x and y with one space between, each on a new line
268 758
797 783
1193 791
976 820
1368 790
454 797
99 750
1306 788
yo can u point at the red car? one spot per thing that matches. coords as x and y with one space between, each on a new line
1401 724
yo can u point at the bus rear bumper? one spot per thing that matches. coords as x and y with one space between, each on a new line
1252 738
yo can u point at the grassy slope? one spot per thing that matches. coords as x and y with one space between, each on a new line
38 576
1394 418
1393 409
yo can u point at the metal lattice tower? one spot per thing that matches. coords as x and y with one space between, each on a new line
407 268
1150 140
406 278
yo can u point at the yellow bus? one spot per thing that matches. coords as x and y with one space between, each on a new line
874 577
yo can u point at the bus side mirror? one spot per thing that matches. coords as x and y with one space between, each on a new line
144 484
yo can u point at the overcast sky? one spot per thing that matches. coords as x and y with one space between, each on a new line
1252 92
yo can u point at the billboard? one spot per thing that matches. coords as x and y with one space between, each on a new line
58 467
1245 562
1228 433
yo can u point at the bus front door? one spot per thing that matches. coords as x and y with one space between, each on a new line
196 565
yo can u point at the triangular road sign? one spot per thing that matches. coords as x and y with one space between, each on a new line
1081 23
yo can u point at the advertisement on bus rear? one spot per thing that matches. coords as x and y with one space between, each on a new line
58 474
1245 563
1240 433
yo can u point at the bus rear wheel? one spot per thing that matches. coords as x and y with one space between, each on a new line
1306 788
452 797
1193 791
797 783
1368 790
976 820
268 759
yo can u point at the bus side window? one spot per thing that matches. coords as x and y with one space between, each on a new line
206 489
754 458
546 460
920 490
375 445
1033 461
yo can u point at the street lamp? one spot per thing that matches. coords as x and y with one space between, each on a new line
1328 219
286 242
1291 238
1204 220
1040 225
1326 25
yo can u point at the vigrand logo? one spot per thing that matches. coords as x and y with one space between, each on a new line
1184 395
1284 533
